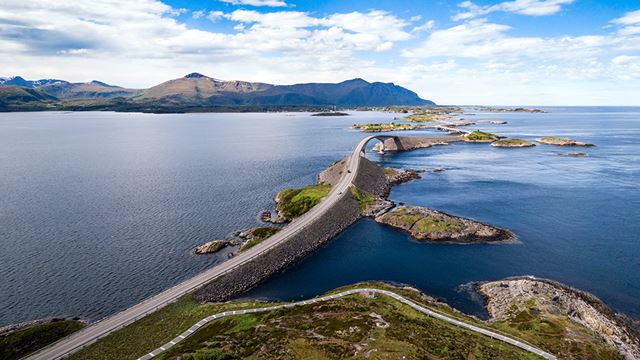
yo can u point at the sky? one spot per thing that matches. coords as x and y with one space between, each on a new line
517 52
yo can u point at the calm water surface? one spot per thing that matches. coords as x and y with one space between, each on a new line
101 210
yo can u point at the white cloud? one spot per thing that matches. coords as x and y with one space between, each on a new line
629 18
523 7
198 14
139 43
269 3
426 26
215 15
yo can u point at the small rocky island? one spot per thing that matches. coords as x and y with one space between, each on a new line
214 246
480 137
430 225
330 113
512 143
561 141
389 126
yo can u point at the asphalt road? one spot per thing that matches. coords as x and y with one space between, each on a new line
400 298
104 327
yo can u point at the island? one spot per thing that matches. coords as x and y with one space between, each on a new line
512 143
561 141
430 225
389 126
330 113
480 136
508 110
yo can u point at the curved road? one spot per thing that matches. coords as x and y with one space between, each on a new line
404 300
104 327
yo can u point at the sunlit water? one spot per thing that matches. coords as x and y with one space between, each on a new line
101 210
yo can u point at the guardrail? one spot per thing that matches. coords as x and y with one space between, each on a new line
420 308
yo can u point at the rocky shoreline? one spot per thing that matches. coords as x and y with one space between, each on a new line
507 300
430 225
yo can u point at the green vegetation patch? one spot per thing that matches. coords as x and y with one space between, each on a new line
513 143
259 235
429 224
391 126
364 198
420 118
478 135
295 202
348 327
557 334
25 341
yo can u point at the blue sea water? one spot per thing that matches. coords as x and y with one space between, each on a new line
100 210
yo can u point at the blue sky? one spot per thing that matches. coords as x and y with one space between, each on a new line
529 52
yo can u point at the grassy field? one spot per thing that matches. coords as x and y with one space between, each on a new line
22 342
351 327
295 202
478 135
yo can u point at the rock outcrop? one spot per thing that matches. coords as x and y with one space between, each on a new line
212 246
507 299
561 142
430 225
512 143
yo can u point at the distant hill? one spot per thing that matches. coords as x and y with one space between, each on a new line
197 92
18 98
91 90
199 89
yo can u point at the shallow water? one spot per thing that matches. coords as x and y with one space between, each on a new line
101 210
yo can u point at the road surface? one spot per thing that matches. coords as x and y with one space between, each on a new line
402 299
99 329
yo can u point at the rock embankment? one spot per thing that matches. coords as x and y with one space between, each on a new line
561 142
430 225
514 299
346 211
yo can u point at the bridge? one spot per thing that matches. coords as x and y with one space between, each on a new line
108 325
104 327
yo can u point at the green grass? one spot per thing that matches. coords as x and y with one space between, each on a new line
555 139
295 202
260 234
330 330
155 329
430 224
22 342
478 135
364 198
419 118
513 142
384 127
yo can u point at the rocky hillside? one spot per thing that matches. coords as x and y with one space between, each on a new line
197 92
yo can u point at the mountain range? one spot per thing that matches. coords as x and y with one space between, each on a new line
197 92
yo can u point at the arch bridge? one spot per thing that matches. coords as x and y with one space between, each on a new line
382 139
